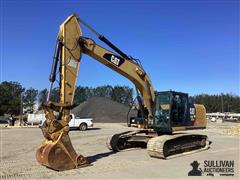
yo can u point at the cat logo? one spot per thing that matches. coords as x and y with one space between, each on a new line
114 59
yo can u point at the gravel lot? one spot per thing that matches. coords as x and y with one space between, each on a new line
18 146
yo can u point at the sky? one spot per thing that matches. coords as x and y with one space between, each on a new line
189 46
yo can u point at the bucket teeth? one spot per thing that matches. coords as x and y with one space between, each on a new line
59 155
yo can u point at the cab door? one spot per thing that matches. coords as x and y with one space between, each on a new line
180 115
161 121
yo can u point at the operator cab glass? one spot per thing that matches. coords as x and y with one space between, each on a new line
171 110
161 120
164 106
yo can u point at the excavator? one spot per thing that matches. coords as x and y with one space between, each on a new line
166 115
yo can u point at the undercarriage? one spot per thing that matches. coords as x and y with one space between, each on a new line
159 146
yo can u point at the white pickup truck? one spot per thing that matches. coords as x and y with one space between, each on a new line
80 123
76 123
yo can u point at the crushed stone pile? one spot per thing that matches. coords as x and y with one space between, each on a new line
103 109
234 130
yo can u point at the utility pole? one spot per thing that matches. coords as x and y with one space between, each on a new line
229 109
21 109
222 102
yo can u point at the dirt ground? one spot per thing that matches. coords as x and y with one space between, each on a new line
18 146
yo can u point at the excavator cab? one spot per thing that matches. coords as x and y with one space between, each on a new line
173 111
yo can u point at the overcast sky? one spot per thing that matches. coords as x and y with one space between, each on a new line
189 46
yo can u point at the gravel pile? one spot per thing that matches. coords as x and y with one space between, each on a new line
103 109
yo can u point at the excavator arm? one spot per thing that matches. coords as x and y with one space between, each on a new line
129 69
56 151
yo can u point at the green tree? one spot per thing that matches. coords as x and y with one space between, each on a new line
42 97
29 99
103 91
80 95
122 94
89 92
10 97
54 96
218 102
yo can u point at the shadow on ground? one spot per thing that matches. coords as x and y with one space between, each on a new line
94 158
90 129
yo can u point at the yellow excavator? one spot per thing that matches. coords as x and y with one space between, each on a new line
165 115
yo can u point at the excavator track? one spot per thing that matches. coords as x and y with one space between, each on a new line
171 146
121 141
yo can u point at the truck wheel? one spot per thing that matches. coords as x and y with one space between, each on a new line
83 127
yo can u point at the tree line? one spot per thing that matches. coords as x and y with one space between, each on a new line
219 103
121 94
12 93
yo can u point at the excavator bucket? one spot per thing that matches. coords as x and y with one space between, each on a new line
59 155
56 151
